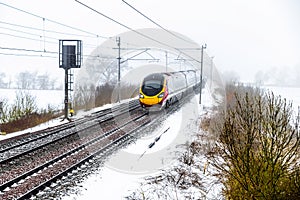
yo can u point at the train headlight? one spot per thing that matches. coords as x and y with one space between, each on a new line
141 96
161 95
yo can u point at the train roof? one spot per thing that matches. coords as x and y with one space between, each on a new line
168 74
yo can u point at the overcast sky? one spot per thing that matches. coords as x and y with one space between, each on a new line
243 36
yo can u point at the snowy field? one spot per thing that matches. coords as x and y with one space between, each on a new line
54 98
113 183
124 171
291 94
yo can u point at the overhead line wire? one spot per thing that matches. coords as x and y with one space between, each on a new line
31 50
170 32
127 27
29 13
46 30
47 41
27 55
25 37
39 51
28 33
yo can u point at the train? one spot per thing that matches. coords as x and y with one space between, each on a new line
161 90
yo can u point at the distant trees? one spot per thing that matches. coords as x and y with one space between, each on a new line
26 80
2 82
285 76
101 69
96 84
230 77
87 97
29 80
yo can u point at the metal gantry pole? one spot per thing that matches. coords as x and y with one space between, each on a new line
166 61
119 68
201 71
211 72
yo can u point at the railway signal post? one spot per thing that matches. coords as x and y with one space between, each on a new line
1 111
119 67
70 56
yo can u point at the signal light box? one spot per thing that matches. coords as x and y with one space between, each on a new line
70 54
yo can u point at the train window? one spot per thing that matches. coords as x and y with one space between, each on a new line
152 84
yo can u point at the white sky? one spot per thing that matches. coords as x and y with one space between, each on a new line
243 36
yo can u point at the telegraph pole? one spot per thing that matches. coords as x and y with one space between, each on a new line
201 71
166 61
119 67
211 71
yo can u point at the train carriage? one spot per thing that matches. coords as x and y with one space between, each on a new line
160 90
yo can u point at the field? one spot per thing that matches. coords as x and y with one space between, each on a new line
43 97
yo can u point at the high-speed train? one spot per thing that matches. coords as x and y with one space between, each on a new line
160 90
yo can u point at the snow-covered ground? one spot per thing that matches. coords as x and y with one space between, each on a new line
126 169
115 182
43 98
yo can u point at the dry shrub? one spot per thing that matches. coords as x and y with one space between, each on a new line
257 151
88 97
28 121
205 123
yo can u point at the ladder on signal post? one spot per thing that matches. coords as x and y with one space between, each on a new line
70 87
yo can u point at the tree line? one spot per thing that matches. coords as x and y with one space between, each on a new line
29 80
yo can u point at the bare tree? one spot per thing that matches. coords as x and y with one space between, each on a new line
2 82
43 82
26 80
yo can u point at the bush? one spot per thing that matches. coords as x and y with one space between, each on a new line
257 147
24 113
88 97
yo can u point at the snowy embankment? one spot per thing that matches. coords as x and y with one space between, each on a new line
120 176
125 171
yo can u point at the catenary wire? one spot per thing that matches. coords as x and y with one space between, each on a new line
131 29
47 30
170 32
71 27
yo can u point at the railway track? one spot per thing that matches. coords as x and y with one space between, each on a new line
32 163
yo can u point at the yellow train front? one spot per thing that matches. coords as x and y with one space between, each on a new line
161 90
153 91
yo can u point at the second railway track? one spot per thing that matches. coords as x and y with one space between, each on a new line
25 171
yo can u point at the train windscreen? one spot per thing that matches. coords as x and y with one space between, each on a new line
153 84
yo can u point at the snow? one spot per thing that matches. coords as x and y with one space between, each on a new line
43 97
42 126
115 183
291 94
126 169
